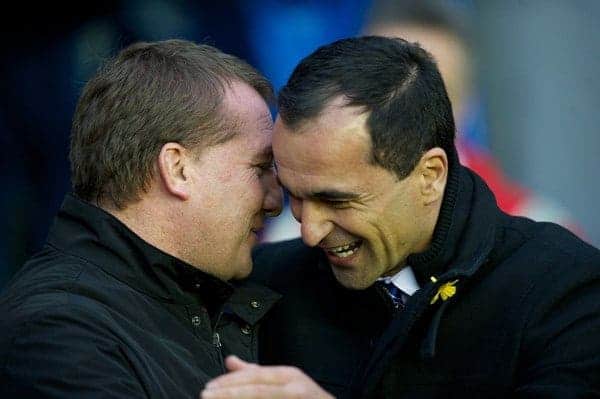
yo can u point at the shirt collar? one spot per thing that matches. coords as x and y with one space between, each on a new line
405 280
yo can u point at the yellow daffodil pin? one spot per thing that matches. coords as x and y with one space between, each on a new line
445 291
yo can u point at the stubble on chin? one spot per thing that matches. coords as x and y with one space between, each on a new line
351 279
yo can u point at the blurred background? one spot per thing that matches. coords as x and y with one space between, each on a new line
522 76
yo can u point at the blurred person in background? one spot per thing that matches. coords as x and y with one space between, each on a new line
411 281
172 177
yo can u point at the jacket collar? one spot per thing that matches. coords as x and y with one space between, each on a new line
88 232
462 242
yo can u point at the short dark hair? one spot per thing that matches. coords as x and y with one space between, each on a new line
397 82
148 95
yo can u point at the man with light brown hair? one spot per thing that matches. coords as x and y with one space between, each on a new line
172 178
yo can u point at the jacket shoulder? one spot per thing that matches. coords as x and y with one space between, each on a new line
61 340
279 262
538 240
48 273
54 288
559 307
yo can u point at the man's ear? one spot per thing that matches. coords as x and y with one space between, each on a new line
172 167
433 167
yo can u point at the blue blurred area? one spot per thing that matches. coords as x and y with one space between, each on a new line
281 33
49 54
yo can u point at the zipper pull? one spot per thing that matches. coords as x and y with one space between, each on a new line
217 344
216 340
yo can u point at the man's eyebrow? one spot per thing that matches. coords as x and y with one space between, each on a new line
334 195
323 195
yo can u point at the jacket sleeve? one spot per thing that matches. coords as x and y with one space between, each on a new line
561 340
64 354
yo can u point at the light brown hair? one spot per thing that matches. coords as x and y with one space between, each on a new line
148 95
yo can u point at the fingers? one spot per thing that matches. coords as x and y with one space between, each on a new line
234 363
297 390
251 381
245 392
252 374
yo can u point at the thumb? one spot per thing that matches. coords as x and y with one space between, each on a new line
234 363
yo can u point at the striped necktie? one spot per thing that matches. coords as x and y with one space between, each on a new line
398 297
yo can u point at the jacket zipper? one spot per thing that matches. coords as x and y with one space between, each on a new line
217 343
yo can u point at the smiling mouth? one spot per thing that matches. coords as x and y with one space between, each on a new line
344 251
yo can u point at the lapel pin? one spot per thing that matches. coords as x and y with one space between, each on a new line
445 291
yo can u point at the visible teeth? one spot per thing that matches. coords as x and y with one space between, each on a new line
345 250
345 254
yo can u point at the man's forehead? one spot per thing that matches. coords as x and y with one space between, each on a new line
318 154
265 121
319 186
336 112
244 110
317 143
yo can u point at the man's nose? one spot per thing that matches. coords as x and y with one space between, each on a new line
314 224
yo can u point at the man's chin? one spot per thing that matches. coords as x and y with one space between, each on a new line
242 271
350 279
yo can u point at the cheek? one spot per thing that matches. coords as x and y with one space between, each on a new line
372 226
246 200
354 222
249 183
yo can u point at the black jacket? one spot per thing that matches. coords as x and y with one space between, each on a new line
524 321
100 313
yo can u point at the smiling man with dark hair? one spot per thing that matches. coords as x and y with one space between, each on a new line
410 281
